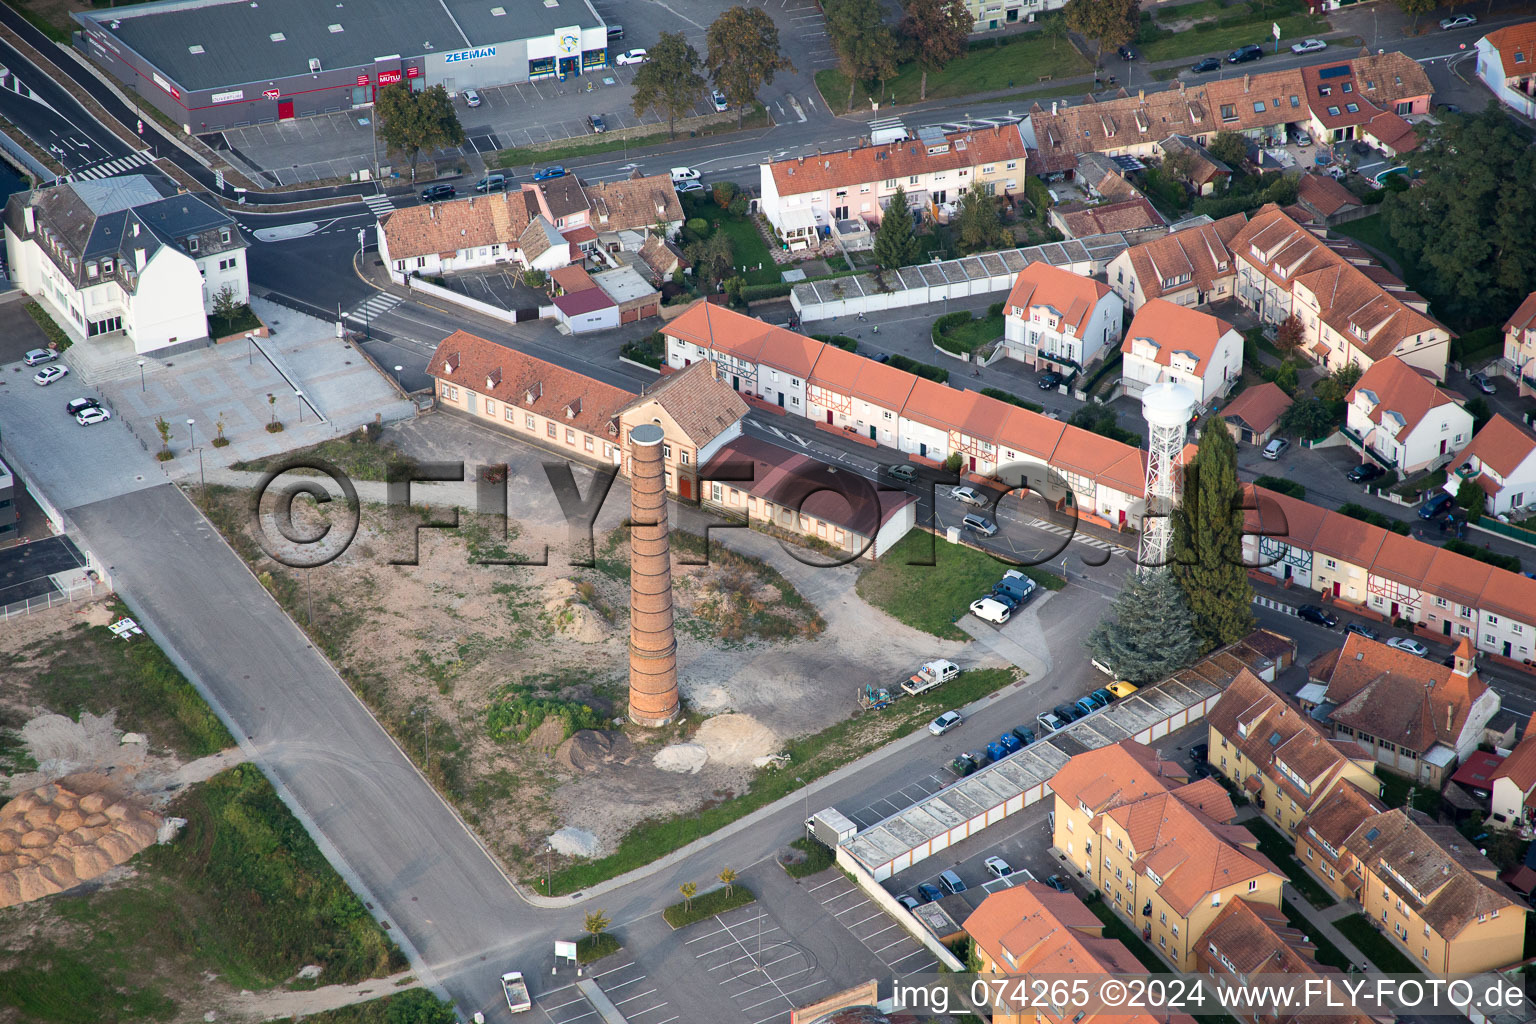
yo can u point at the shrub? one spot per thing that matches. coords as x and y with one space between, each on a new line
937 374
946 323
1281 484
996 309
818 857
1461 547
697 227
55 334
1367 515
534 278
738 207
725 192
842 341
952 463
754 292
517 710
1011 399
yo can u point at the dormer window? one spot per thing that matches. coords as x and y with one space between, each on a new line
192 244
106 266
1324 90
224 235
1349 87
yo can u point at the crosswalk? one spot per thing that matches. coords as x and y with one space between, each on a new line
1271 603
1081 538
111 168
374 307
380 205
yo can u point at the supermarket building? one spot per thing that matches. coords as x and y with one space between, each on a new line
216 64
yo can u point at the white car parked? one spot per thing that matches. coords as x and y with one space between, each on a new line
48 374
94 414
1308 46
471 98
967 495
719 100
682 174
629 57
991 610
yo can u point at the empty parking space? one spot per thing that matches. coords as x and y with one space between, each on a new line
764 970
901 799
626 986
891 943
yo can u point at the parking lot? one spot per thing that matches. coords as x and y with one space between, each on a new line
763 970
623 983
501 286
891 943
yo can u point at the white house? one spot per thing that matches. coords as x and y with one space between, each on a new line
1059 320
756 359
1514 784
1520 347
116 257
1168 341
1506 62
1502 459
1398 412
859 395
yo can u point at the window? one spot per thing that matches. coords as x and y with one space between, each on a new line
1330 563
1011 165
490 407
450 392
1295 102
1228 112
529 421
890 182
682 457
912 180
570 436
224 235
1253 885
666 451
1258 106
550 429
1353 108
192 244
1334 111
1215 899
506 411
714 490
1325 90
587 442
421 261
1349 87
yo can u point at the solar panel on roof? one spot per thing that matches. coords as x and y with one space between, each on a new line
1337 71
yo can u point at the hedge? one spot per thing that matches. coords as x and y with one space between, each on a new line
52 330
937 374
946 323
707 905
1461 547
1011 399
1284 486
840 340
753 292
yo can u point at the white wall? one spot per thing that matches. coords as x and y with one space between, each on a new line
215 279
167 307
597 320
1491 70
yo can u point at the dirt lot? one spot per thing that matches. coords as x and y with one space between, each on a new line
485 672
240 899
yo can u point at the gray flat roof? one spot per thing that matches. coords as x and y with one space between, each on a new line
238 47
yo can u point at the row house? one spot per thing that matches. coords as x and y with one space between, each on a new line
805 196
1249 940
1411 714
1281 759
1169 342
1399 414
785 492
1506 62
1058 320
1321 839
1502 461
1261 106
124 258
1190 267
1034 931
827 385
1438 592
1439 898
1347 103
1163 852
1352 311
1520 347
1513 800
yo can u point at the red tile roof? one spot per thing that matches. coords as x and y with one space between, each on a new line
1411 701
800 175
1258 407
1175 328
587 300
1200 254
715 327
1401 389
1110 776
1070 296
797 481
1500 445
1520 766
1524 318
1479 770
1325 195
844 373
1513 40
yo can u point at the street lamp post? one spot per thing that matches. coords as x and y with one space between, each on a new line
250 348
141 376
202 480
191 435
362 235
300 396
399 379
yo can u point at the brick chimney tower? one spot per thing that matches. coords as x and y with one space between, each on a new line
652 647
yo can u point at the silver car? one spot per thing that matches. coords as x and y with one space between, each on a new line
40 355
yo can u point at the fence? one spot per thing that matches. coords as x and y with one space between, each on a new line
26 161
416 284
82 590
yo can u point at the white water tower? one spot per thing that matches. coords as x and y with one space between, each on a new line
1167 408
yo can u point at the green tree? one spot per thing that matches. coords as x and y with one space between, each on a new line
980 227
670 82
895 242
1290 334
1207 554
418 1006
1471 496
1309 419
1477 408
1230 147
743 55
414 121
689 890
1416 9
712 257
226 305
727 878
866 50
1055 28
1106 22
163 428
936 31
595 923
1465 226
1149 632
1337 385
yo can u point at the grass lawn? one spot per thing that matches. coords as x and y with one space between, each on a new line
810 757
1224 38
1116 928
932 594
353 454
534 156
818 857
1372 232
243 320
243 893
591 948
707 905
746 241
417 1006
1394 793
1023 60
1327 952
95 671
1378 949
1274 845
973 334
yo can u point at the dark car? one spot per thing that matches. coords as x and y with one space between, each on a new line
1049 380
909 901
1198 752
615 32
75 406
1025 734
596 124
1056 883
1366 471
1126 53
432 193
1067 712
963 765
1435 506
1206 65
1312 613
1244 54
929 892
1362 629
1104 697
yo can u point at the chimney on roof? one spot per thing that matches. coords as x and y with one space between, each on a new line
1141 95
1449 714
1247 79
1053 108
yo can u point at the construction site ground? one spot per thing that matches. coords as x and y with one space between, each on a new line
508 683
236 913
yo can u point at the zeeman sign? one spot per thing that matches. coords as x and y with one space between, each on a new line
484 51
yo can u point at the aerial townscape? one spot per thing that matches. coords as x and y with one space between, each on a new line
813 512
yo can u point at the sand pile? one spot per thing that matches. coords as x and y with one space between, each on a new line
548 734
683 758
736 740
575 842
571 618
589 749
62 746
56 836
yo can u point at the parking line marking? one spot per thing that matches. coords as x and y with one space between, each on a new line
882 931
856 906
909 956
717 931
823 885
888 945
642 995
621 984
871 917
